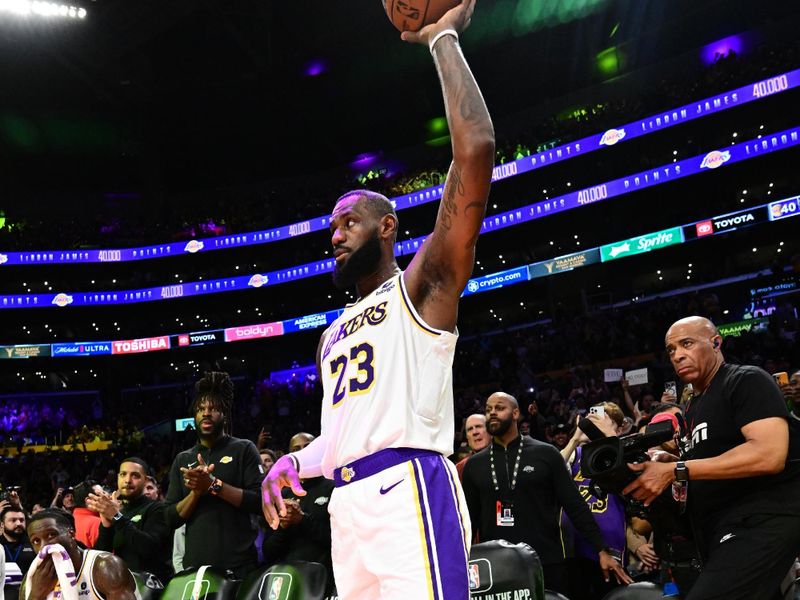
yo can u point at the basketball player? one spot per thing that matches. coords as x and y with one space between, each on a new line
399 524
100 575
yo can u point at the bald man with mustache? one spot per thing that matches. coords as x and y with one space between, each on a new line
743 488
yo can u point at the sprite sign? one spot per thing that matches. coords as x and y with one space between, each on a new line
643 243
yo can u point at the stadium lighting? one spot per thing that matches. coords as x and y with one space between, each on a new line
38 8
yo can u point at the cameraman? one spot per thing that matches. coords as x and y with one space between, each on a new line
608 510
673 541
743 495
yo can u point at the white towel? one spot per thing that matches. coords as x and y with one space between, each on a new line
67 578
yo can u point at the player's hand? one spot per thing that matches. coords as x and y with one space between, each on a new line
654 478
43 580
609 565
282 474
457 18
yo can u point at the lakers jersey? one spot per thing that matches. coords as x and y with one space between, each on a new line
387 379
85 584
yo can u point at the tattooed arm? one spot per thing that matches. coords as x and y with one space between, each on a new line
441 268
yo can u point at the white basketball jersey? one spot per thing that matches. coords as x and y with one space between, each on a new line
85 585
387 379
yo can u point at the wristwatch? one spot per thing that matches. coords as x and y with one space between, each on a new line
118 517
216 486
681 471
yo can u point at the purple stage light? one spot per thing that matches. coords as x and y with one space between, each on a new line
712 52
316 67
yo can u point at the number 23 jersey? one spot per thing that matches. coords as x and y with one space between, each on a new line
387 379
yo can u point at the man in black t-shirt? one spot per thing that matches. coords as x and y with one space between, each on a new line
215 486
743 493
515 490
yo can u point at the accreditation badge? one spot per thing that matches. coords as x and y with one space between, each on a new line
505 514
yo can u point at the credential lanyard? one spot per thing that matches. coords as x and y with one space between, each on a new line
513 483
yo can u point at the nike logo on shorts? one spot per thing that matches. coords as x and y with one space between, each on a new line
727 537
394 485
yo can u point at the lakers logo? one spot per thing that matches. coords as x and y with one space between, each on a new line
347 474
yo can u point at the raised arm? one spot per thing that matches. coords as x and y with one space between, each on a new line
441 268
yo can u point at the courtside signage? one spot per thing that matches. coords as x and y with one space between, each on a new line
253 332
25 351
563 264
151 344
81 349
782 209
641 244
496 280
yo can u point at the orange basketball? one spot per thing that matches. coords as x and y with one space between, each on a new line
413 15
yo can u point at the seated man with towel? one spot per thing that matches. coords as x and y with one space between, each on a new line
64 571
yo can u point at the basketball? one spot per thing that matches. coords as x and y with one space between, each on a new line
413 15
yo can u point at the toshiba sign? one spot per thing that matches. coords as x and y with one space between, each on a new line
141 345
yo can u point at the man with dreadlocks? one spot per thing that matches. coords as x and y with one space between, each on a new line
214 486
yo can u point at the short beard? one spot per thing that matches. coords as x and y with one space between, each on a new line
500 429
217 430
360 263
13 534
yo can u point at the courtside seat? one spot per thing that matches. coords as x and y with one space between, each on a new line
296 580
551 595
148 585
499 566
636 591
209 583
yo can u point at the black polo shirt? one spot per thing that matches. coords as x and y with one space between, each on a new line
218 533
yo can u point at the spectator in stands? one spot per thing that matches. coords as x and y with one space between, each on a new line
16 547
87 521
64 498
134 526
745 494
215 486
608 512
268 458
515 490
477 438
151 489
791 394
537 422
560 436
305 531
97 574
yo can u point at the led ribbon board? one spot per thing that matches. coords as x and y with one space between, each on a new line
623 133
617 187
476 285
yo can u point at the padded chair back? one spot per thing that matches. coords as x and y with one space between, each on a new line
148 585
636 591
296 580
499 566
205 583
